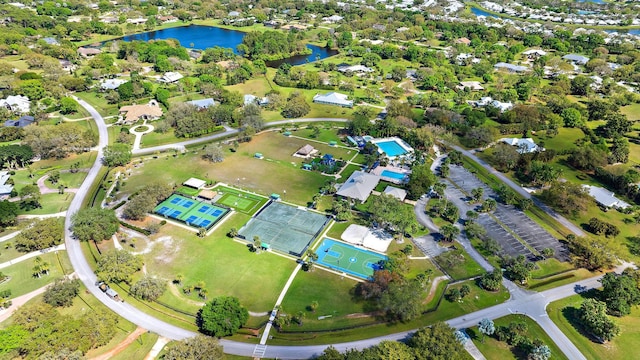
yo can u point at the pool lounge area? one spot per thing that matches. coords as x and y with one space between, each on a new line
393 147
392 174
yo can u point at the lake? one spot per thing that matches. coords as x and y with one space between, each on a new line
203 37
480 12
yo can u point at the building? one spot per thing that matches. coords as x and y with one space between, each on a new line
195 183
355 69
333 98
51 41
333 19
305 151
111 84
488 101
471 85
605 197
133 113
88 52
167 19
5 189
576 59
170 77
510 67
21 122
234 14
137 21
463 40
16 103
397 193
203 103
359 186
252 99
524 146
534 53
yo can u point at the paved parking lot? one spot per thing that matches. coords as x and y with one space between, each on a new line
517 221
429 246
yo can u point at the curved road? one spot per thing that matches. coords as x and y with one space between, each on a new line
533 305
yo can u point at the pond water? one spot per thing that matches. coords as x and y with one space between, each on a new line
203 37
480 12
593 1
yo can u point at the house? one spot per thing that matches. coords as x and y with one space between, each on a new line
463 40
605 198
137 21
397 193
534 53
298 27
471 85
305 150
359 186
203 103
379 27
333 19
170 77
195 183
333 98
252 99
510 67
488 101
524 146
233 14
88 52
167 19
51 41
328 160
402 29
133 113
5 189
21 122
576 59
16 103
67 65
111 84
355 69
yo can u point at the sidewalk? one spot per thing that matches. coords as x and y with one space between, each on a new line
31 255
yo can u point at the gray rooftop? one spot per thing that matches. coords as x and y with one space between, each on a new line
359 186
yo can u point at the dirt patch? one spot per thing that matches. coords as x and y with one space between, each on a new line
123 345
359 315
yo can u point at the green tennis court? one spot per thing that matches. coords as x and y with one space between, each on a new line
239 200
194 213
349 259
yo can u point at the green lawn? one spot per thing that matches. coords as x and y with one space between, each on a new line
549 267
7 254
139 348
565 140
491 348
226 266
348 170
562 313
240 200
559 280
632 111
461 265
477 299
326 134
99 102
71 180
23 282
278 173
188 191
51 204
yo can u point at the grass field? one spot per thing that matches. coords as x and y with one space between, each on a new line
477 299
562 313
325 135
189 191
71 180
240 200
242 169
23 282
459 265
99 102
348 170
227 267
51 204
491 348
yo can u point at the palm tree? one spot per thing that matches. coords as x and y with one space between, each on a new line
200 285
257 244
188 289
313 306
178 279
203 293
45 266
449 232
37 266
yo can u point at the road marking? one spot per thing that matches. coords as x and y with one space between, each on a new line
543 315
259 350
511 311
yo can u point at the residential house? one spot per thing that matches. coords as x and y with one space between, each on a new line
16 103
137 21
463 40
5 189
379 27
576 59
112 84
252 99
202 103
534 53
51 41
402 29
605 198
333 19
88 52
133 113
21 122
397 193
233 14
359 186
167 19
488 101
358 69
333 98
510 67
471 85
67 65
524 146
170 77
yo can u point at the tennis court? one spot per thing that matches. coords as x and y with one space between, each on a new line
284 227
349 259
193 213
239 200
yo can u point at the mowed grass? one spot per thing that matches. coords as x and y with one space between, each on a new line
623 346
477 299
226 266
240 200
22 280
98 102
277 173
51 204
632 111
71 180
491 348
464 268
139 348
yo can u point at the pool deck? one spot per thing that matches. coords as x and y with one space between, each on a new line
380 169
406 147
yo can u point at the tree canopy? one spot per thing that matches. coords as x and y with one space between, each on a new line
94 224
222 316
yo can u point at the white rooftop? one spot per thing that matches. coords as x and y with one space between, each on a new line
359 186
195 183
377 240
605 197
526 145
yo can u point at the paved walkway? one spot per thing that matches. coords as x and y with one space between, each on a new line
31 255
138 134
44 189
473 350
157 348
9 236
42 216
267 329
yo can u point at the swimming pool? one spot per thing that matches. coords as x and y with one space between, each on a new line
391 148
393 175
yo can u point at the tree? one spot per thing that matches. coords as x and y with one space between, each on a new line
62 292
548 252
296 106
149 288
449 232
572 117
94 224
567 197
143 203
491 280
588 157
488 205
15 156
58 141
505 156
518 268
117 266
118 154
30 197
540 352
199 347
476 194
619 150
436 342
590 253
68 105
251 116
42 234
581 85
620 292
593 317
8 213
402 300
214 153
222 316
486 327
525 204
420 180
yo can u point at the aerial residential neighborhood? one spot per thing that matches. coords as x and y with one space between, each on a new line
319 180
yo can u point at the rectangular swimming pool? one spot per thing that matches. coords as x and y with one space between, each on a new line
391 148
349 259
393 175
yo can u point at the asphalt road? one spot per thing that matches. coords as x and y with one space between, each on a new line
530 304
